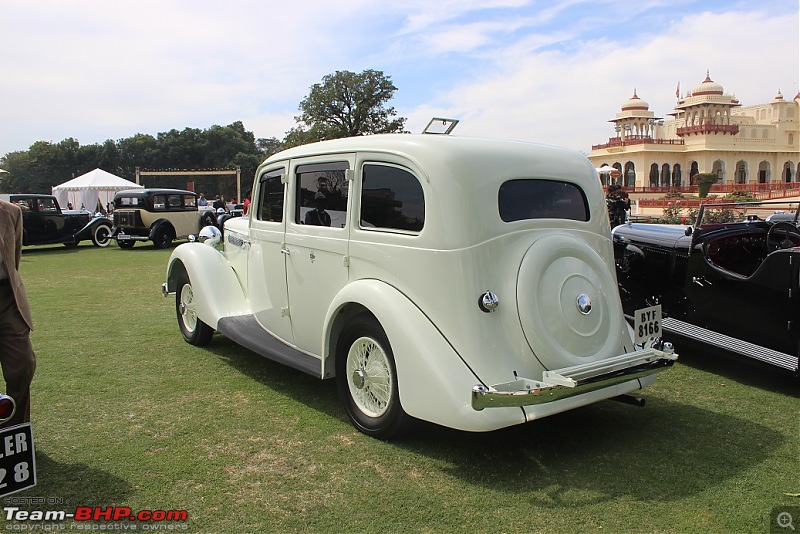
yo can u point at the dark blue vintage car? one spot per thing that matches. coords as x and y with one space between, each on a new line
44 223
730 281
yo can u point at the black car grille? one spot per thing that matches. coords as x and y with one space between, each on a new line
681 266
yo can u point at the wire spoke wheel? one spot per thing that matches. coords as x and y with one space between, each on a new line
369 377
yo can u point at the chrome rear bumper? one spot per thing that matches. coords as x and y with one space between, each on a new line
571 381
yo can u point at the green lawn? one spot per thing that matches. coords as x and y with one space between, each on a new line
125 413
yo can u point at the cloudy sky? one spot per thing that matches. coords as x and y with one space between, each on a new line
552 71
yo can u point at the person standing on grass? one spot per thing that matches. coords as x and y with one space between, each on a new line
16 352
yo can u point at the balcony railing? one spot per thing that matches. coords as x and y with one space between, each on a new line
614 142
732 129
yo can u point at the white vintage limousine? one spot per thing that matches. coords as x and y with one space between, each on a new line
466 282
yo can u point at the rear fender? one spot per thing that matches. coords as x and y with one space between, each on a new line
157 225
217 292
435 384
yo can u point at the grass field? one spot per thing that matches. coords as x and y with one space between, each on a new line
125 413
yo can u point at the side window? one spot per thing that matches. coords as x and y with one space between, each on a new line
189 202
541 199
322 191
47 205
270 196
160 202
391 198
175 202
24 203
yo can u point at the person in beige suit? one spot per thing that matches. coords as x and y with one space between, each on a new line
16 353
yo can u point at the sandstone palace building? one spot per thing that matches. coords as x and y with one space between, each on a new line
756 146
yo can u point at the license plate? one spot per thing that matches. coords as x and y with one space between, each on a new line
647 324
18 464
123 237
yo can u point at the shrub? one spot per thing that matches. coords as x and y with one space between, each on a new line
672 213
704 182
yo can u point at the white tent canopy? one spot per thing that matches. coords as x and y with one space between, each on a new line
87 189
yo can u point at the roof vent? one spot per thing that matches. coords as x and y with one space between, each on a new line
440 126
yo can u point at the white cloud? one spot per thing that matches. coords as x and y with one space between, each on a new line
549 71
567 97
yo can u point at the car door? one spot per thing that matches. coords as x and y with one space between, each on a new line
317 239
266 260
757 308
46 224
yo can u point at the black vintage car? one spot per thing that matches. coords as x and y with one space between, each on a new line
732 280
44 223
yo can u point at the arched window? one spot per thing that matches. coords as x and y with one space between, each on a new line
630 174
791 139
693 172
741 172
765 134
763 172
718 168
654 175
665 175
676 175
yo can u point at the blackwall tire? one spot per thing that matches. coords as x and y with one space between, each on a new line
126 245
194 331
163 237
367 379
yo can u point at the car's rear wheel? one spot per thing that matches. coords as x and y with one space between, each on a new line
194 331
100 235
128 244
163 237
367 379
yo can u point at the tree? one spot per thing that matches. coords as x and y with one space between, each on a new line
346 104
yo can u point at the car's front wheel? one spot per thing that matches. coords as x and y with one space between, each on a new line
367 379
194 331
100 235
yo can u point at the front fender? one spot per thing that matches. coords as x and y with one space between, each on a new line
217 292
434 382
87 231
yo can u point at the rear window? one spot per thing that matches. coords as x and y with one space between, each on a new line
520 200
128 202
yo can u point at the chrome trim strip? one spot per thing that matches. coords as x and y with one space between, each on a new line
572 381
744 348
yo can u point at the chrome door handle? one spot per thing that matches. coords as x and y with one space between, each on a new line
285 250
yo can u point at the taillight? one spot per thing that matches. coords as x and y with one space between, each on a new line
7 408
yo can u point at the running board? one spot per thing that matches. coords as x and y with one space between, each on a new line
247 332
732 344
